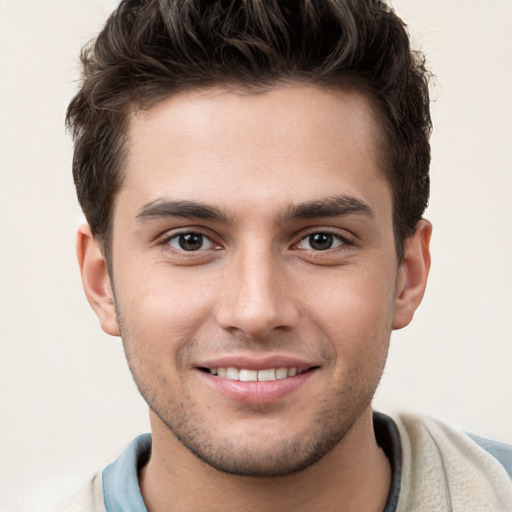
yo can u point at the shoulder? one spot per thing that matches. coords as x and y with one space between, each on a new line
502 452
443 468
116 485
423 430
67 496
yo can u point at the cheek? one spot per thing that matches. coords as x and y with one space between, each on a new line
160 312
166 291
352 295
355 311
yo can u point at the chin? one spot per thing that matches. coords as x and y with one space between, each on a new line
267 450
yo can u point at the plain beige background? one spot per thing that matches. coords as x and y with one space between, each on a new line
67 402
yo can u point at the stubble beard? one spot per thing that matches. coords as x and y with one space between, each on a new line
334 417
253 458
262 457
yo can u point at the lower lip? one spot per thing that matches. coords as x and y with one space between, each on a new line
256 392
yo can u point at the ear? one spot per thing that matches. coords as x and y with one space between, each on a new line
412 275
96 281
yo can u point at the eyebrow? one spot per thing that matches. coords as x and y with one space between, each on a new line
328 207
161 208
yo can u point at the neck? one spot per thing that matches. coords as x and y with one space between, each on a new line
355 473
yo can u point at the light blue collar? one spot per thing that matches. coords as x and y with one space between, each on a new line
121 491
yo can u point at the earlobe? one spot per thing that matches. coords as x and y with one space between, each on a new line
96 281
413 274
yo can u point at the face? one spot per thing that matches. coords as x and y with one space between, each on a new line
255 275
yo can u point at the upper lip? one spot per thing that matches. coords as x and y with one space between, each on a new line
250 362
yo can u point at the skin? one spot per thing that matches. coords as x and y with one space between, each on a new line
257 286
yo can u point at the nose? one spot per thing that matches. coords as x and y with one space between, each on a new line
257 297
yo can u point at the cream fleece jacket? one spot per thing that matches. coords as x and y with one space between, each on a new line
442 470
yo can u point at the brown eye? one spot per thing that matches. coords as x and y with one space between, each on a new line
321 242
190 242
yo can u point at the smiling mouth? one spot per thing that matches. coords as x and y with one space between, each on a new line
246 375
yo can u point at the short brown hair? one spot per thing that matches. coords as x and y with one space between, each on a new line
150 49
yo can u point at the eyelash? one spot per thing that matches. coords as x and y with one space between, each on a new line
341 240
166 241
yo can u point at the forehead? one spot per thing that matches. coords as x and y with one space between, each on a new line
284 143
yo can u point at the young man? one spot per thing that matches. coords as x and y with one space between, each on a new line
254 176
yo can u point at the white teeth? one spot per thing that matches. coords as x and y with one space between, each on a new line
232 373
264 375
281 373
245 375
248 375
